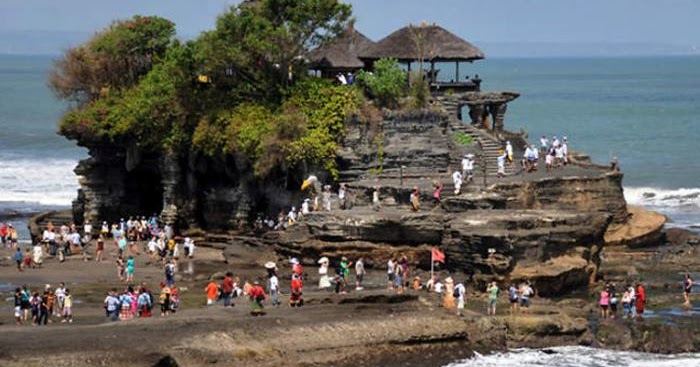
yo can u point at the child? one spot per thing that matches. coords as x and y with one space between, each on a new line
68 307
28 260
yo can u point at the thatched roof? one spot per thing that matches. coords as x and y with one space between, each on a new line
439 45
342 52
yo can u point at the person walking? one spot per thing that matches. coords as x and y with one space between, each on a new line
212 291
273 286
359 274
492 291
130 264
227 289
687 287
68 307
257 298
460 293
513 297
448 300
296 292
390 274
604 303
641 299
19 256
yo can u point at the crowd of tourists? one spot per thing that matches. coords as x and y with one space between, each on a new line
40 307
555 153
632 298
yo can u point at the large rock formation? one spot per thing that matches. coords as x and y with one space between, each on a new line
544 227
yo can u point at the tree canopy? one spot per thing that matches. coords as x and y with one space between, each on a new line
240 89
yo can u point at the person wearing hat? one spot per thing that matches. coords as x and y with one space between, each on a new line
297 269
257 297
509 153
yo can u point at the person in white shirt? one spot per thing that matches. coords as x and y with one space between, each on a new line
87 230
468 168
326 198
555 142
509 152
305 207
544 143
502 164
342 191
457 180
274 289
460 291
565 150
341 79
292 216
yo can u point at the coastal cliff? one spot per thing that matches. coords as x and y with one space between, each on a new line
547 228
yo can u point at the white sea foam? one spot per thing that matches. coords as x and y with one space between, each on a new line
677 198
41 181
578 357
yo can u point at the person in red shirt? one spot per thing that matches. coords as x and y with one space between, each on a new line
227 289
296 267
641 298
257 297
295 298
4 232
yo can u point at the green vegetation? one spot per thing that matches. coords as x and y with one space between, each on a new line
241 89
463 139
387 83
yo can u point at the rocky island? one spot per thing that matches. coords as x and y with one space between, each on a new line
218 134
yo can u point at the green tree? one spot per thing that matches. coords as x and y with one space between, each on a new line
114 59
387 83
258 44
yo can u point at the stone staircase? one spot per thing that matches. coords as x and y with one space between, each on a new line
38 223
485 148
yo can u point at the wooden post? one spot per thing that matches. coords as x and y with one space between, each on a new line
432 71
456 71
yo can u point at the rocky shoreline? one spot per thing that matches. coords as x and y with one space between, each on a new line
564 231
367 328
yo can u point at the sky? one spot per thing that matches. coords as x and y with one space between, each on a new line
653 26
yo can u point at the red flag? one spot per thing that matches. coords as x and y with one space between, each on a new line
437 255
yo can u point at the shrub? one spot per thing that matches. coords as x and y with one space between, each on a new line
386 84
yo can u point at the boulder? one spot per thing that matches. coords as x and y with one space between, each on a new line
642 228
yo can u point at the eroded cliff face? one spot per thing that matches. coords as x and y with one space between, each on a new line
548 229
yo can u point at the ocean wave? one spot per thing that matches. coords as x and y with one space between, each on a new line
688 198
41 181
577 357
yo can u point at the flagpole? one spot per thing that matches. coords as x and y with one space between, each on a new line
432 266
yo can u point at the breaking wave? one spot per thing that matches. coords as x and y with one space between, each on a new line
578 357
39 181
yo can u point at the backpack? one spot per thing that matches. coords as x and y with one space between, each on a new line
455 294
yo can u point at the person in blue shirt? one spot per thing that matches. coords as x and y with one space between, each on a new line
19 256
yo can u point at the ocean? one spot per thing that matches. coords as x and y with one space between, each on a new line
645 111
